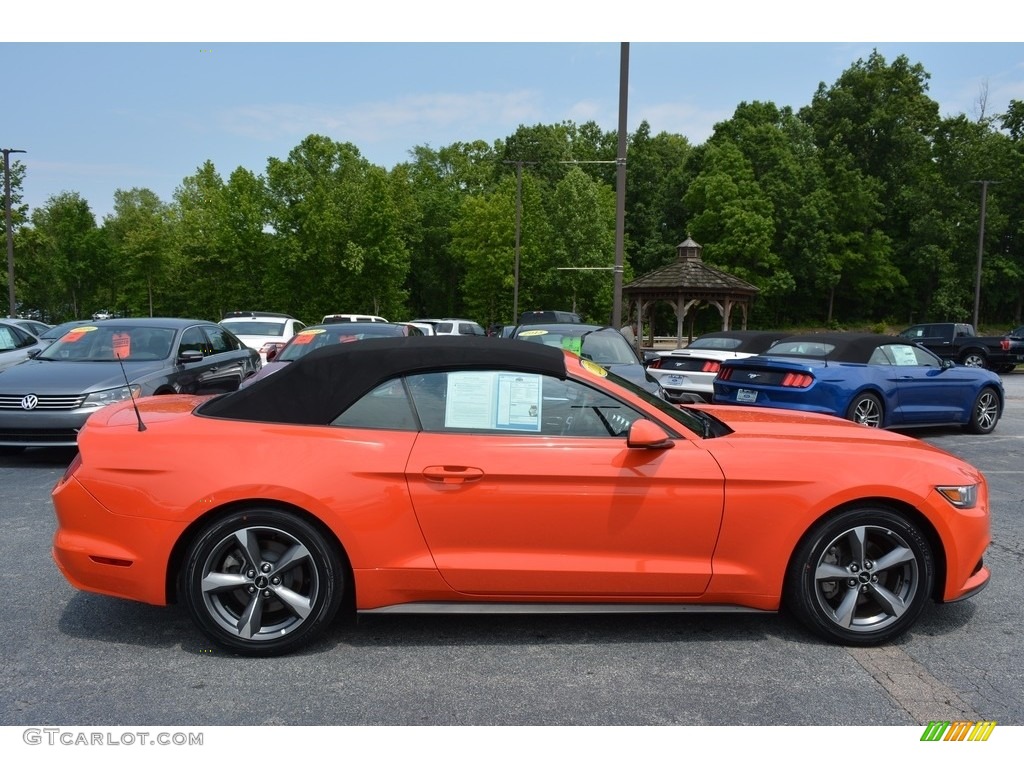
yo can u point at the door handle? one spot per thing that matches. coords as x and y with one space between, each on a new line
452 475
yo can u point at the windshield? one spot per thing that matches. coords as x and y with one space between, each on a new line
107 343
309 339
694 421
603 346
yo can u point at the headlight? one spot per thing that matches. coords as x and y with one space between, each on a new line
960 496
108 396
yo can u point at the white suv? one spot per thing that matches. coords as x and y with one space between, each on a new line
265 332
453 326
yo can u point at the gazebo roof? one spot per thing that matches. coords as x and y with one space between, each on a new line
689 274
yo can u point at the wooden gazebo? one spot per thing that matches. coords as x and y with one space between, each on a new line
687 284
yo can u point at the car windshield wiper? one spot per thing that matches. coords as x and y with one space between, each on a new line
705 422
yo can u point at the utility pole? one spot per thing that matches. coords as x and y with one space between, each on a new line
10 231
620 192
519 218
981 246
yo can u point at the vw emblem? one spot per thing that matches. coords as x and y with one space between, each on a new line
28 402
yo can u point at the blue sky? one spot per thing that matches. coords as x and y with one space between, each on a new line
97 111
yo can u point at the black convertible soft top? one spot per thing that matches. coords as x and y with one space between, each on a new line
843 347
319 386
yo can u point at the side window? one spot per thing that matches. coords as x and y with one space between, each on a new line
902 355
193 340
220 341
505 402
14 338
386 407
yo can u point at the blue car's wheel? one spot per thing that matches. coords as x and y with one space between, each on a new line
865 409
984 412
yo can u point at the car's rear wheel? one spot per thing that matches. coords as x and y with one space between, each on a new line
861 577
262 582
865 409
984 412
973 359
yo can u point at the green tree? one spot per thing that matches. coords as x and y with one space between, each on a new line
141 234
335 224
582 215
62 272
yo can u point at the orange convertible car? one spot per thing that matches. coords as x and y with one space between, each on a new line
454 473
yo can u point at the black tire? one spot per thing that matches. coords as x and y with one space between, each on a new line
861 577
866 409
262 582
973 358
985 412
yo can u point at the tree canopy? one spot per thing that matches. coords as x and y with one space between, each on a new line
862 207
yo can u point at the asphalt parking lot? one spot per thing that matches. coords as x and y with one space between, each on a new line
77 658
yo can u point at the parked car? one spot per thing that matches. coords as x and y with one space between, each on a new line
49 336
453 326
101 314
317 336
427 328
45 400
687 374
876 380
36 327
456 474
262 331
960 342
352 319
600 344
535 316
15 344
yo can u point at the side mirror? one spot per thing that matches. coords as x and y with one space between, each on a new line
190 356
644 433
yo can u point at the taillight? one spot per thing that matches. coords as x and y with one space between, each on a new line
724 374
711 366
799 380
1005 344
655 363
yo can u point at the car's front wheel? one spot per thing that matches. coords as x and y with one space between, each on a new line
262 581
865 409
984 412
861 577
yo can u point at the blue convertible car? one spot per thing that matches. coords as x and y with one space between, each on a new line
877 380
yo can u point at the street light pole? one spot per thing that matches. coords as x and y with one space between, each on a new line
10 231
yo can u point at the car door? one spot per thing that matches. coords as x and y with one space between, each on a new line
926 393
219 370
524 485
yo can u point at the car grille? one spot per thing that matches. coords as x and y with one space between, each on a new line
46 402
38 436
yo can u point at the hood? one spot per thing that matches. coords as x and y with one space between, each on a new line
781 423
60 377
